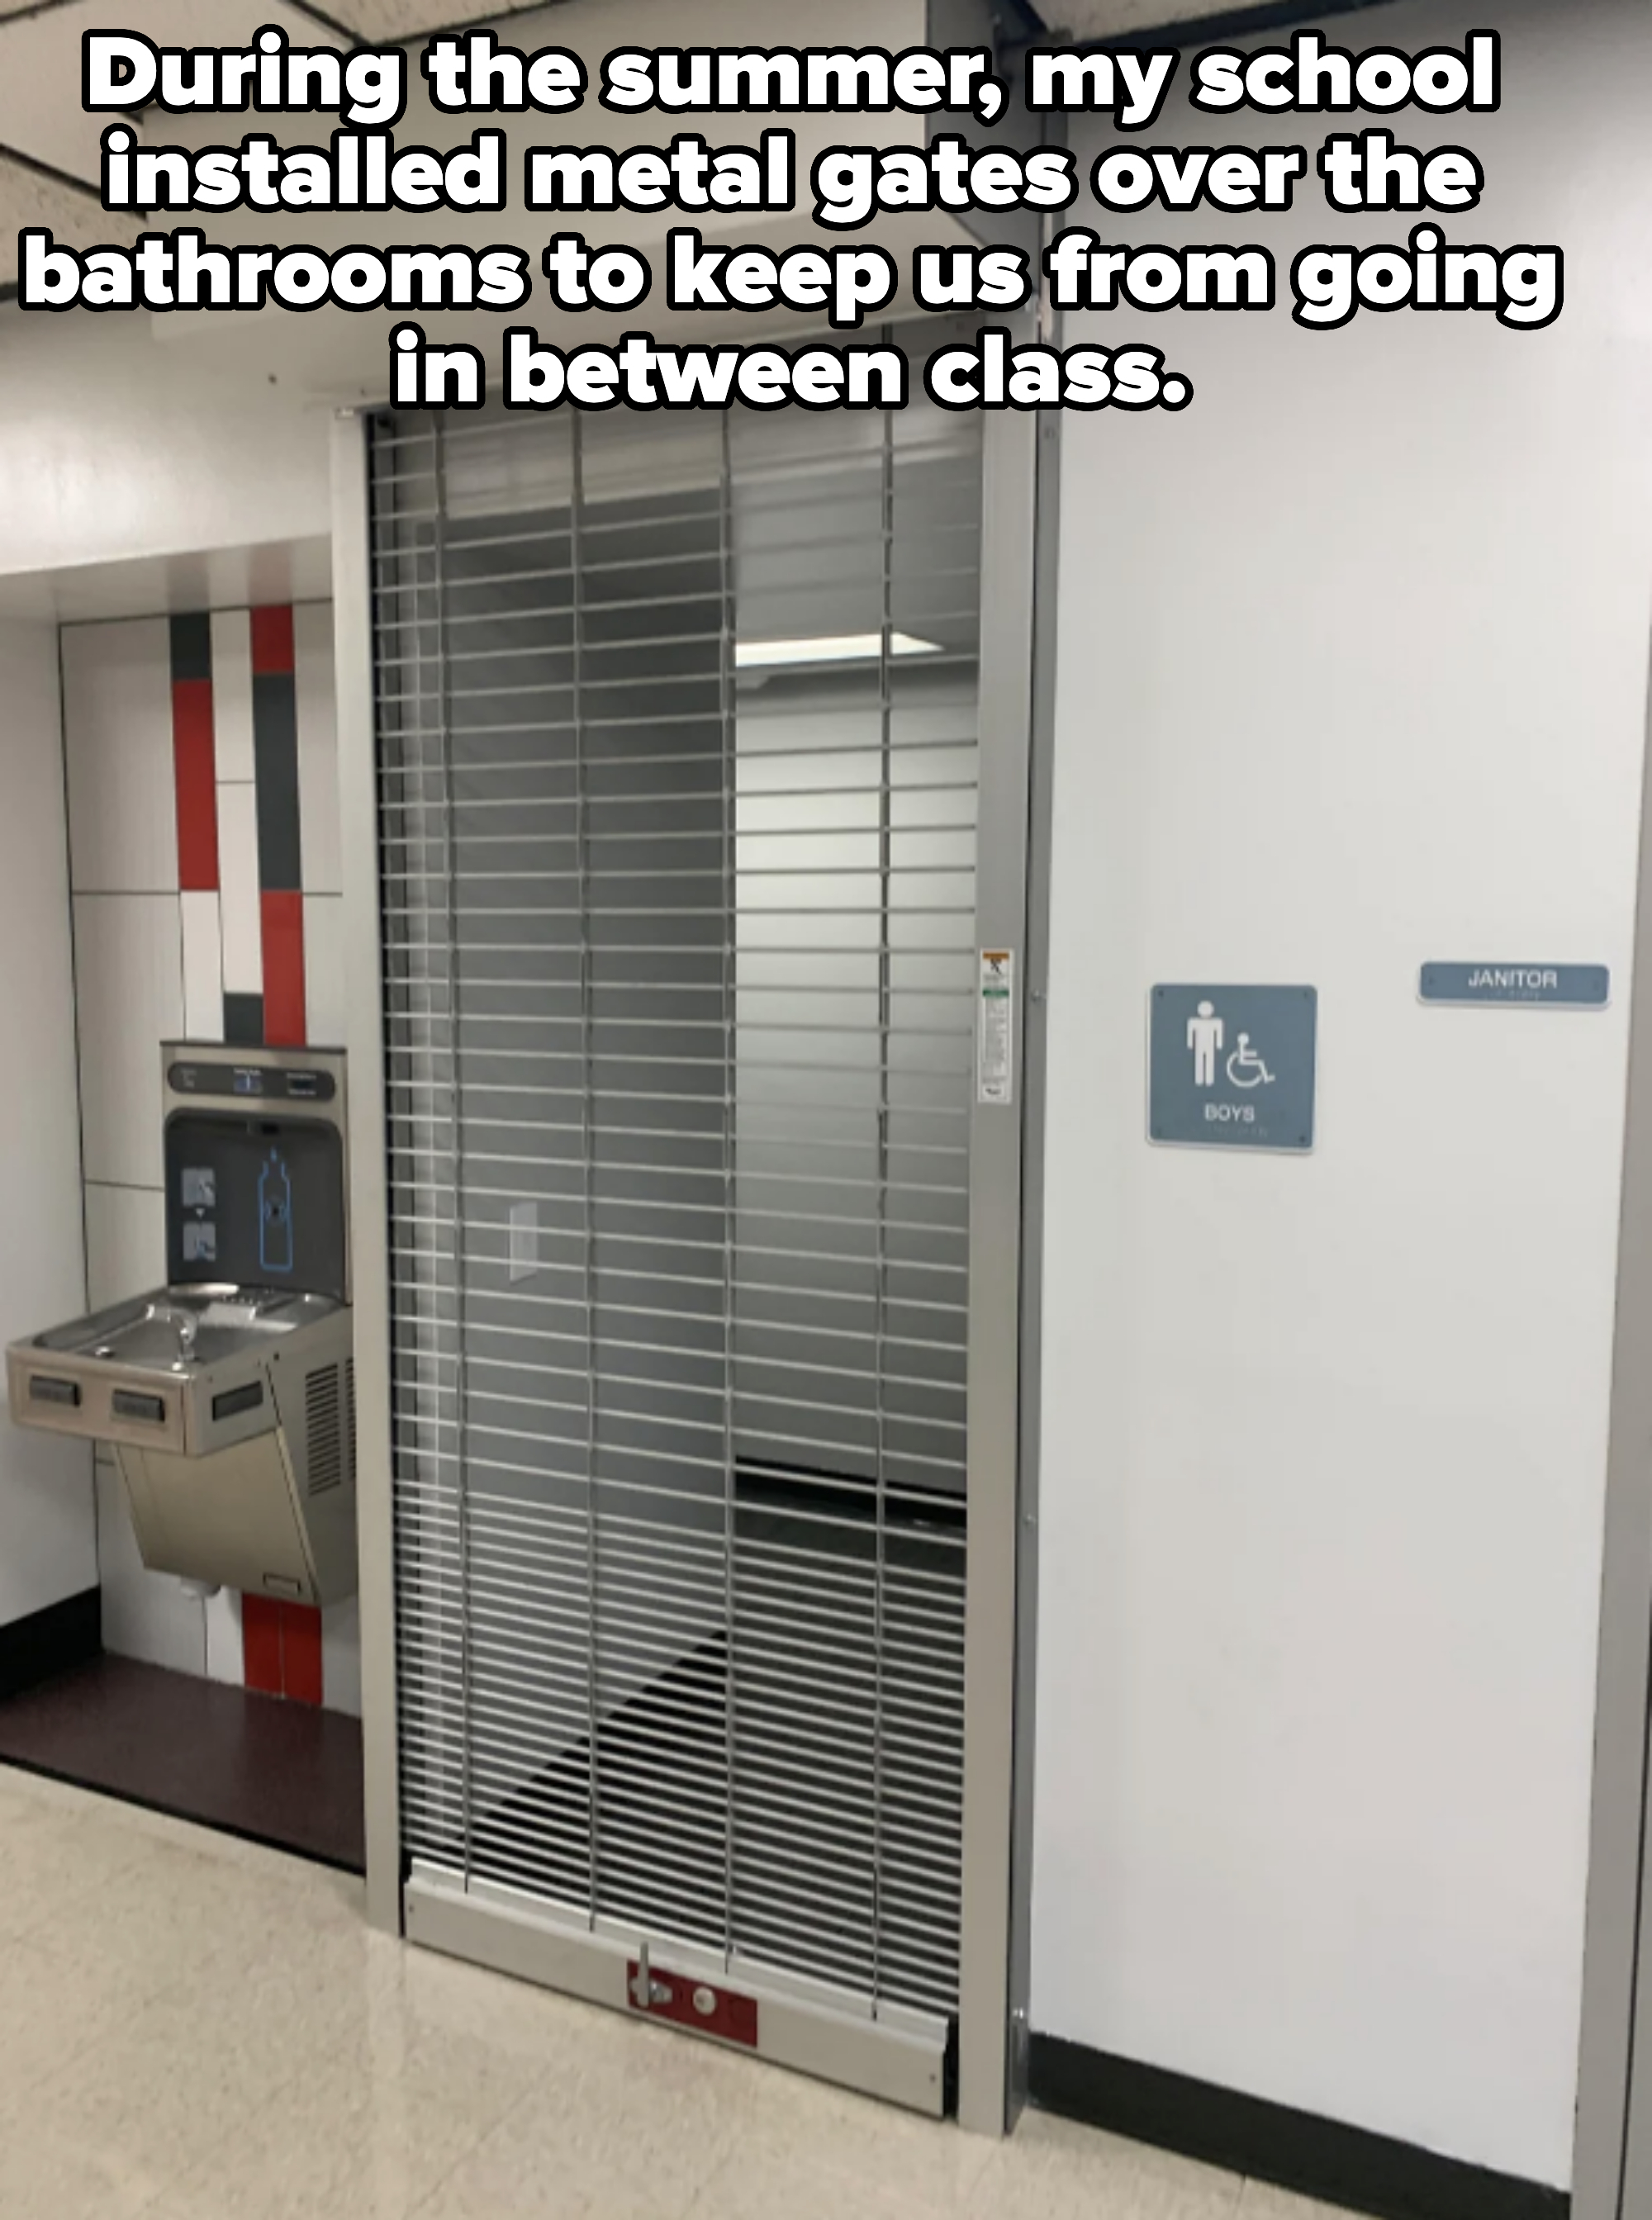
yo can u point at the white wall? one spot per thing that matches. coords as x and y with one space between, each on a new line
112 446
1353 676
47 1537
343 354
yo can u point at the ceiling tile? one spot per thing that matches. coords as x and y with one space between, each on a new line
378 21
1102 19
41 114
74 219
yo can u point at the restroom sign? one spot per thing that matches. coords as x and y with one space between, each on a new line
1234 1067
1539 985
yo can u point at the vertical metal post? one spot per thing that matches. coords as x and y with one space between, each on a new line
353 613
880 1267
1614 2134
457 1157
588 1168
729 708
1035 1039
1009 542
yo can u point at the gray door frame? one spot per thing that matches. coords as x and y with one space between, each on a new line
996 1771
1614 2134
353 622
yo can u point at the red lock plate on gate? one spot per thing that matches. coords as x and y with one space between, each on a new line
685 2001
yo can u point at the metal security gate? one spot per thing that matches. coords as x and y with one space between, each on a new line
677 779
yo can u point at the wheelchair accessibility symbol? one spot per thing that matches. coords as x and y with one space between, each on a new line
1245 1067
1208 1038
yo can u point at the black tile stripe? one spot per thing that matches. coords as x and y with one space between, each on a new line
275 743
244 1020
192 647
1316 2158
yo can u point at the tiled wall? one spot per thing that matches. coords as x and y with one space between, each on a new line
206 880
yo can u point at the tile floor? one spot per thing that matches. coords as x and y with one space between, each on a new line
192 2027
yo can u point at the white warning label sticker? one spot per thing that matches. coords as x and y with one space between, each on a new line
996 1080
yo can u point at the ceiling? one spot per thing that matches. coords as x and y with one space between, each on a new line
47 138
1110 19
376 21
1102 19
333 357
49 147
371 20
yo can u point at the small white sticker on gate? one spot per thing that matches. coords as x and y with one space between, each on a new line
996 1073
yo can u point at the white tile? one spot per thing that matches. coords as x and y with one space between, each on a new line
1055 2170
146 1615
39 2173
126 2107
238 870
54 1855
117 729
1261 2202
324 970
619 2130
816 2152
49 1505
341 1657
126 1242
397 2105
225 1659
51 2005
194 2027
129 999
204 967
318 748
232 694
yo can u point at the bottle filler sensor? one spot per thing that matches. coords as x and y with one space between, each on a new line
229 1395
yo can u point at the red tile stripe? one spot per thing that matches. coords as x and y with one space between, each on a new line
298 1627
195 773
281 1649
273 654
261 1644
284 1021
300 1653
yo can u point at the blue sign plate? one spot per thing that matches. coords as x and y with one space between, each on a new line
1541 986
1234 1067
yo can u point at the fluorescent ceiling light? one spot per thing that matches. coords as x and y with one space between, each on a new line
843 647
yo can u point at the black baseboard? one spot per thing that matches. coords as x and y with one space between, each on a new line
49 1641
1317 2158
